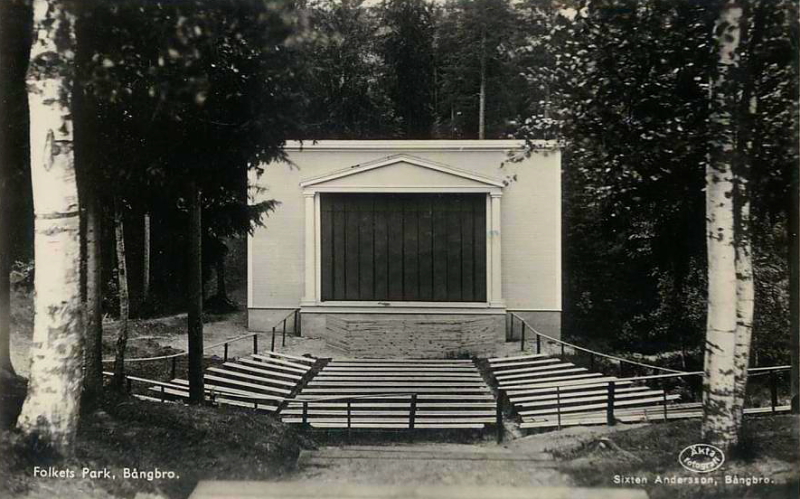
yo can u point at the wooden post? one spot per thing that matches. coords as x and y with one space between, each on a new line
773 390
283 339
412 416
349 417
562 351
162 393
538 344
128 386
299 322
225 355
499 422
522 337
255 344
272 348
558 405
295 328
610 407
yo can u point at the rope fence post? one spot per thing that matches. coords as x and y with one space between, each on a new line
128 386
255 344
522 337
283 339
163 395
538 344
558 405
499 422
272 348
349 417
225 355
610 407
412 415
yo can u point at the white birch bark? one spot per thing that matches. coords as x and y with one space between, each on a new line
719 426
50 411
745 287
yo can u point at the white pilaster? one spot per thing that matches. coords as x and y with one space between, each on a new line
495 235
310 243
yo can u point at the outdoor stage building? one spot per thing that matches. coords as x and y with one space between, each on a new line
409 248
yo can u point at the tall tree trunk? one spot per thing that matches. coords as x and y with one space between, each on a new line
794 286
146 259
6 170
719 425
482 97
794 267
93 372
5 285
222 289
14 45
124 298
745 289
195 281
51 408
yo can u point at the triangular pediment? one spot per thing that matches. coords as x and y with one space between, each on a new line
402 171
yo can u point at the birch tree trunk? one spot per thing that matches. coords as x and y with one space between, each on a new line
124 298
745 294
50 411
719 425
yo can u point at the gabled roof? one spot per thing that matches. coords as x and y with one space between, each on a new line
403 159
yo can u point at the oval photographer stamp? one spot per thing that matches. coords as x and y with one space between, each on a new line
701 458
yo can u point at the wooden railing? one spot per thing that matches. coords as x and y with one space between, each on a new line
538 337
173 358
753 371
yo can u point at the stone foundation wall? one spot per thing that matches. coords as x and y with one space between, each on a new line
413 336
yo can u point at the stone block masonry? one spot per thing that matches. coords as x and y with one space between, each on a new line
418 337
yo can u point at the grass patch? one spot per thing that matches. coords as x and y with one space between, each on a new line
769 449
193 442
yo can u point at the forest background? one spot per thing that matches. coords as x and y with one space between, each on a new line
623 87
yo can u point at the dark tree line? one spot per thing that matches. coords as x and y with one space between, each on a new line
179 98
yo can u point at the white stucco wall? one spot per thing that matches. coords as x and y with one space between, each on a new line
531 214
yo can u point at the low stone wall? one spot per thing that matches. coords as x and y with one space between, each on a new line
418 336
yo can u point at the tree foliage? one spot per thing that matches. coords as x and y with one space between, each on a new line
628 95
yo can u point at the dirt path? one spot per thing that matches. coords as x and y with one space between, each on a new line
428 464
519 462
